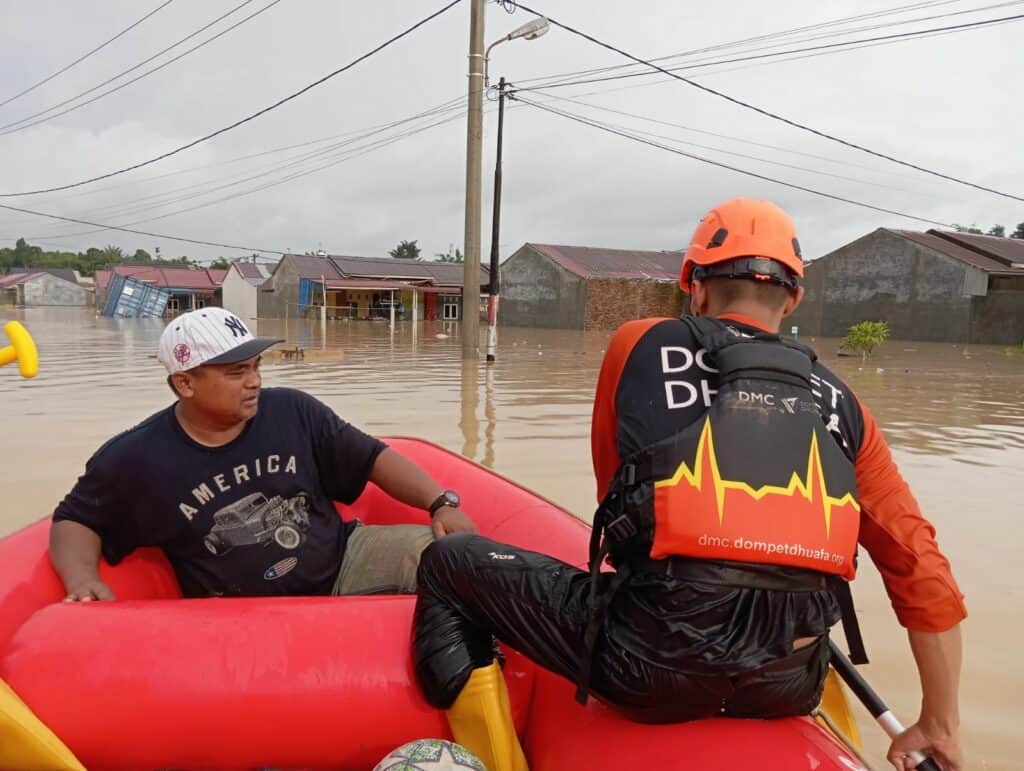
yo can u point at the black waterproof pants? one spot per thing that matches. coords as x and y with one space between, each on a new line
472 590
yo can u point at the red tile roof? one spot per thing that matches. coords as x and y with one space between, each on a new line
591 262
175 278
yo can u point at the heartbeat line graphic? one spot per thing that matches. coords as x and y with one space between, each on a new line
811 487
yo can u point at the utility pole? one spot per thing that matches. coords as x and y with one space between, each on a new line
493 289
474 170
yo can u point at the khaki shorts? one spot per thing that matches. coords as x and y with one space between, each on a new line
382 559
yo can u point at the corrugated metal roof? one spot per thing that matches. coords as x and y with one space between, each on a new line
368 283
1008 251
334 267
312 266
592 262
15 279
412 270
68 274
176 278
933 240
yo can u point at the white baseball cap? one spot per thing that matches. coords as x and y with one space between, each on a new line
208 336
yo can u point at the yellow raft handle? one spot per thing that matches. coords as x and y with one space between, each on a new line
22 350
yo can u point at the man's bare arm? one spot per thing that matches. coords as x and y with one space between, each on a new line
400 478
936 732
75 554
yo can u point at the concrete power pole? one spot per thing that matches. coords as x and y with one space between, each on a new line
474 172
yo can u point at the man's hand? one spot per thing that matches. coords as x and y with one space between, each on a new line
89 590
941 746
449 520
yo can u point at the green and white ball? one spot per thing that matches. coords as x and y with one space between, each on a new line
430 755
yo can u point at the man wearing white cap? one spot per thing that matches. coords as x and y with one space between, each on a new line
237 485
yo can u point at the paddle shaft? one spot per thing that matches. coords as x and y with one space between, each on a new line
874 704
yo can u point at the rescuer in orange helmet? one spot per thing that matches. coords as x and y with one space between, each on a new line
737 476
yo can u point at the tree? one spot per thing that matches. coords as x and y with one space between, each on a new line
141 255
406 250
973 229
113 253
220 264
1019 232
452 255
24 254
865 337
997 230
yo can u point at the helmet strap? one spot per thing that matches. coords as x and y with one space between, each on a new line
754 268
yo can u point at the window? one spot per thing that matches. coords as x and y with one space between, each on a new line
173 304
450 310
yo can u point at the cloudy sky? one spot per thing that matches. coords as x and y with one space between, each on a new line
353 170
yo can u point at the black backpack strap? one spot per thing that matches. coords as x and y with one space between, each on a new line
612 526
840 589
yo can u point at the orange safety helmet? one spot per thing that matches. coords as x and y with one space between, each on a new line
744 238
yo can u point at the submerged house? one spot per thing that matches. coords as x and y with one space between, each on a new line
363 288
241 287
31 288
582 287
935 286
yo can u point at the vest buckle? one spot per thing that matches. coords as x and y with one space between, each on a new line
627 476
620 529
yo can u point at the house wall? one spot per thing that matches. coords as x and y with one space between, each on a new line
50 290
239 296
923 295
275 294
999 318
537 292
612 302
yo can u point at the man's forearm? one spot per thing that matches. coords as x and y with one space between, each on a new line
402 479
938 656
74 552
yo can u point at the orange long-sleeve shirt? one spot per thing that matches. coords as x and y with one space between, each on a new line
630 412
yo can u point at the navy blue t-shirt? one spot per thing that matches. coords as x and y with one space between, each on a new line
253 517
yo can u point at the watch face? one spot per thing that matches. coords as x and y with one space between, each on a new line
452 498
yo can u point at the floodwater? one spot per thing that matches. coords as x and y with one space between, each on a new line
954 417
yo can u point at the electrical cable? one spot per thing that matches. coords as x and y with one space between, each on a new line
627 135
140 232
82 58
121 74
772 115
242 121
784 34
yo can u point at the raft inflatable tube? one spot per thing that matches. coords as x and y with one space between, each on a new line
154 681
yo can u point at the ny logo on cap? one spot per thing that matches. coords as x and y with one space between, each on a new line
236 326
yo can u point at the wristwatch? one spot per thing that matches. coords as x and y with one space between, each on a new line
447 498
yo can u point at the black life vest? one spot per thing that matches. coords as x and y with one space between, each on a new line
758 479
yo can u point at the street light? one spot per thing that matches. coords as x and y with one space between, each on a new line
530 31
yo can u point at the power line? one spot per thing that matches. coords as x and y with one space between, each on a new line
348 155
790 33
712 148
272 151
769 114
357 135
140 232
6 128
897 37
82 58
794 186
238 123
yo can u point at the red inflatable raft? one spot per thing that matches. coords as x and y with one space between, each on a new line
155 681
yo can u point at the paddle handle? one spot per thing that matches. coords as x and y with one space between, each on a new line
874 704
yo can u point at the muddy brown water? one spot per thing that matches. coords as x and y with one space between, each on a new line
953 415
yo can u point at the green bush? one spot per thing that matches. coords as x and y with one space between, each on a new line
865 337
